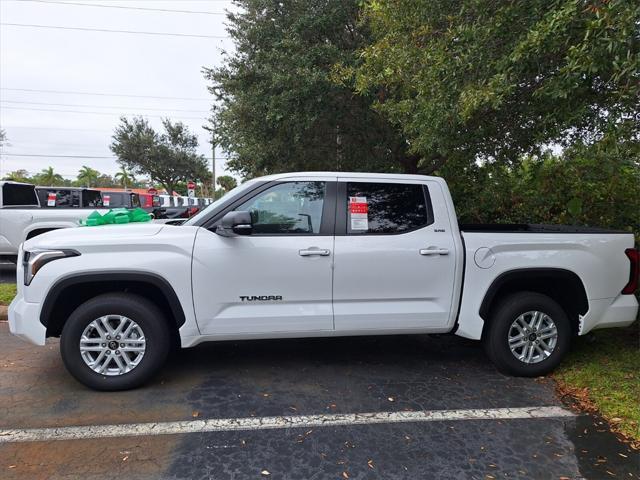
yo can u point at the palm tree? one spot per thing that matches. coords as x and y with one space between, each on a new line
49 178
88 176
124 178
18 176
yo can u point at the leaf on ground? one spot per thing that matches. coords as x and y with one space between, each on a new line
265 473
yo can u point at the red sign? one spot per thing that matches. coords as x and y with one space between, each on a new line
152 191
191 186
358 205
51 200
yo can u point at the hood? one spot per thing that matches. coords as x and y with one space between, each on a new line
81 236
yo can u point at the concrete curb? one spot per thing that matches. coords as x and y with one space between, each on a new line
4 313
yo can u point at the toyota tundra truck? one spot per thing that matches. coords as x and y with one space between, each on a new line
319 255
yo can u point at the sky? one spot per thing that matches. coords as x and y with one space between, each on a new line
62 91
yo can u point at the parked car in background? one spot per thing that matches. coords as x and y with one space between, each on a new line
175 206
151 204
22 218
319 255
120 199
69 197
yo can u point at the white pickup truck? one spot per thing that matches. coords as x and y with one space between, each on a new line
22 217
319 254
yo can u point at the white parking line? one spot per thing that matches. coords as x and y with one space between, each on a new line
266 423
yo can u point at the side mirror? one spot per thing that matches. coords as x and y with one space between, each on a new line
235 223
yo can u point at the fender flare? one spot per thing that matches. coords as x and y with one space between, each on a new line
113 276
526 274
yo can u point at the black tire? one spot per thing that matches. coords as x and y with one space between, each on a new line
150 319
496 335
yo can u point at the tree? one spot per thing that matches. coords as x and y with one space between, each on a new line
279 108
124 178
48 177
226 182
3 137
495 80
104 180
18 176
167 158
88 177
594 185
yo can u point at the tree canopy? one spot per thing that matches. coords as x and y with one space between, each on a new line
124 178
495 80
226 182
48 177
279 108
167 158
88 176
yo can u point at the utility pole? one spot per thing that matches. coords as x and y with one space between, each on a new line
213 167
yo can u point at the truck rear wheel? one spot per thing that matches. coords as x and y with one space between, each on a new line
115 341
528 335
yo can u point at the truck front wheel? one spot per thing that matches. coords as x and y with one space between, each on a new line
115 341
528 335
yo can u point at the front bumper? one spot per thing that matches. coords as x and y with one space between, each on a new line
24 321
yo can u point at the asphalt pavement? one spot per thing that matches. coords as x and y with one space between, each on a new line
434 408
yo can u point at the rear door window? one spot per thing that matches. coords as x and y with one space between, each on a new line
386 208
92 199
113 199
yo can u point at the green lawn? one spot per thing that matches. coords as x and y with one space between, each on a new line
7 292
603 373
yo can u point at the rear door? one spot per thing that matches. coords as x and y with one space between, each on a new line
394 259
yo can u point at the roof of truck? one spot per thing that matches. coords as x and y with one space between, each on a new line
389 176
11 182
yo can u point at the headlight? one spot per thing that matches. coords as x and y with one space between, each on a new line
34 260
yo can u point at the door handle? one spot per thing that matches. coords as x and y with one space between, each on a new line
434 251
323 252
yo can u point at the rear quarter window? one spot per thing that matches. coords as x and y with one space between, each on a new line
18 195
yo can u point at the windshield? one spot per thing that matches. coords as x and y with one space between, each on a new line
234 192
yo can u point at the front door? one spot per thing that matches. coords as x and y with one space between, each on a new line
394 261
279 278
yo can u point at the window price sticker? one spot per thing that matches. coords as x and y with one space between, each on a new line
359 213
51 200
106 200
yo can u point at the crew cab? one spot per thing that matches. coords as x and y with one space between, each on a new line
22 216
319 255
